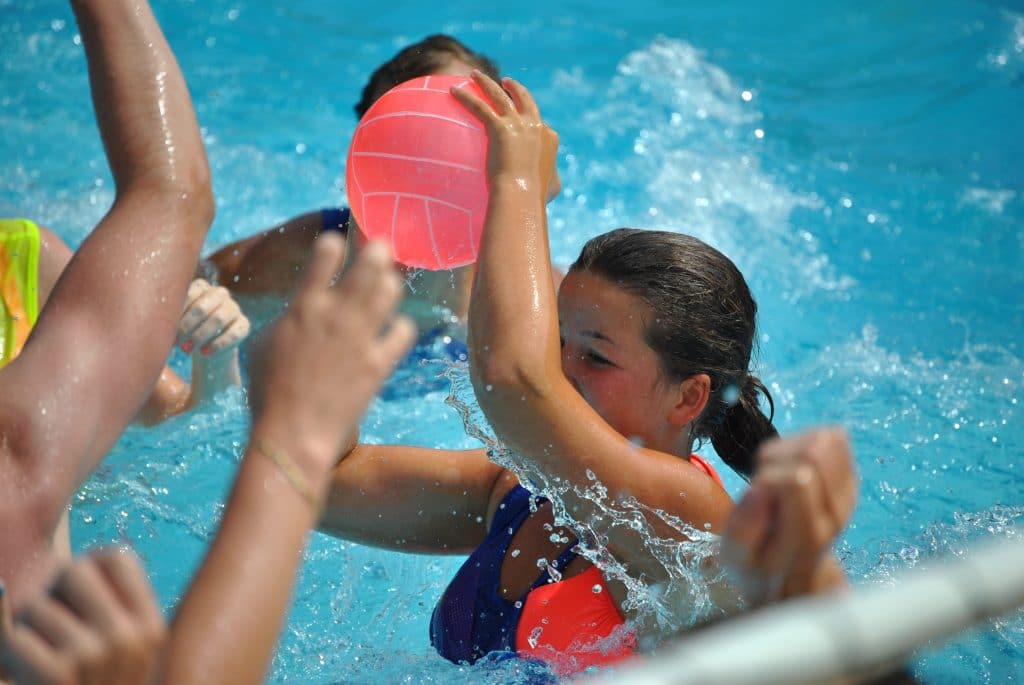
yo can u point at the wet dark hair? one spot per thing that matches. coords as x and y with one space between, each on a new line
703 322
421 59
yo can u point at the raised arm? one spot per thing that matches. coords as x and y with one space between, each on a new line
102 339
518 377
99 624
306 405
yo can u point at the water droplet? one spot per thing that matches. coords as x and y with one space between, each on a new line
515 553
597 589
534 637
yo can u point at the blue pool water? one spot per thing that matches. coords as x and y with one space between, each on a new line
860 161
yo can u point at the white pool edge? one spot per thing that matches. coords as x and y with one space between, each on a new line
818 639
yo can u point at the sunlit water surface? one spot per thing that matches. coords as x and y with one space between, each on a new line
859 161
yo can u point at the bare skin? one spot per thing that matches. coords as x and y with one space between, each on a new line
211 327
73 400
99 624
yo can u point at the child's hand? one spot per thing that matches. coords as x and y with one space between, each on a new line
99 624
212 322
328 354
802 495
522 148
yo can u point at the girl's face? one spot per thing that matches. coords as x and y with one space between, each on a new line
607 359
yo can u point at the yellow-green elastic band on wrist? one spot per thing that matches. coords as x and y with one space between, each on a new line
292 473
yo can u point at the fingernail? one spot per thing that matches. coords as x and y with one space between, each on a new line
205 350
187 346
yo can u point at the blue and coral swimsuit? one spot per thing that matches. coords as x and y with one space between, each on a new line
570 624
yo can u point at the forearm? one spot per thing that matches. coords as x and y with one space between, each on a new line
267 263
142 104
230 617
410 499
513 291
212 374
112 317
104 334
172 396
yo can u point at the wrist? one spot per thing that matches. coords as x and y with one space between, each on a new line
508 183
312 458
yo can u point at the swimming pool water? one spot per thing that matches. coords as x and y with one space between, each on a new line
860 161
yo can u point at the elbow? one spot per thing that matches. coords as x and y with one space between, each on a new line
201 200
184 191
195 191
497 379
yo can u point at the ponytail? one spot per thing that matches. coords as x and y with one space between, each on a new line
744 427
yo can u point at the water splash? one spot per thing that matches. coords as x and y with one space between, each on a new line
679 599
680 146
1010 56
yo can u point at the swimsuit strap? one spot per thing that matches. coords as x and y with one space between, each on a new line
514 505
334 219
564 558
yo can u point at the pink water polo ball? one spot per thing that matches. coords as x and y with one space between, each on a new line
416 174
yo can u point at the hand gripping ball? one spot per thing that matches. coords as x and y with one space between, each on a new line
417 174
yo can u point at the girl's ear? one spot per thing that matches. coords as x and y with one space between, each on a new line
691 397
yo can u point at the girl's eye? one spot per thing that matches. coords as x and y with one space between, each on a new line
597 359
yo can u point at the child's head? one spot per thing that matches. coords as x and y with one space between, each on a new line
437 54
700 319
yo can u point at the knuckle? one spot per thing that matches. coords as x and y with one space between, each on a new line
84 571
217 320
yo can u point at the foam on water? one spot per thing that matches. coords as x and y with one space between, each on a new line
672 603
